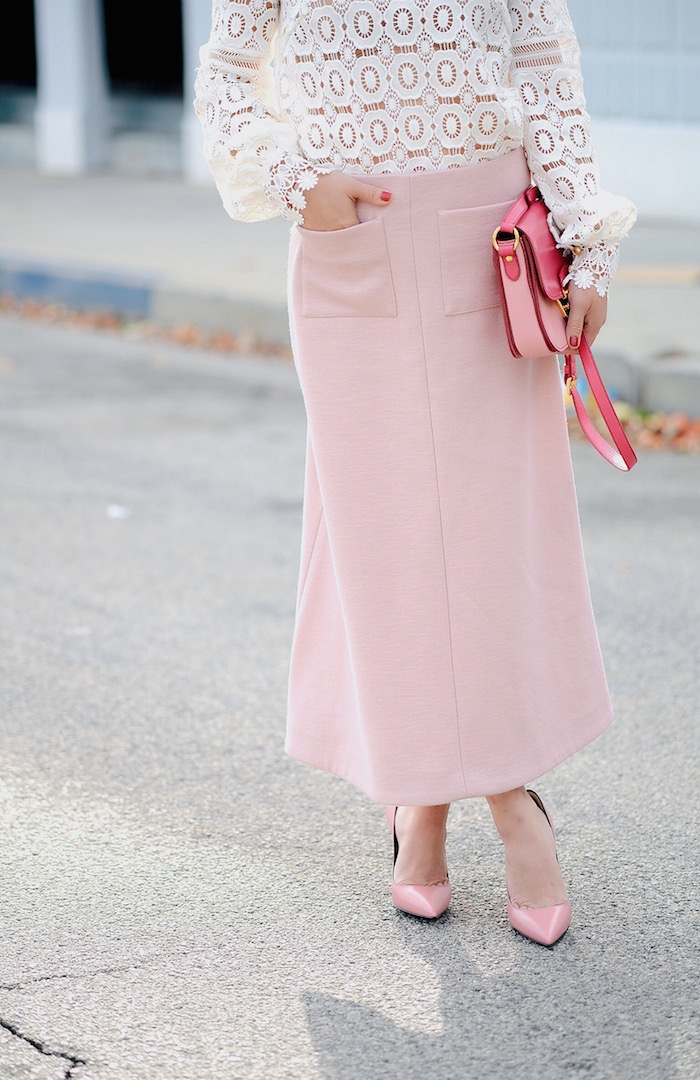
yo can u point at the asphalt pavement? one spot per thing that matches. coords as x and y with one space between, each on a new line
179 899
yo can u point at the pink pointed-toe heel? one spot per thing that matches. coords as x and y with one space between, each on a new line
426 901
543 925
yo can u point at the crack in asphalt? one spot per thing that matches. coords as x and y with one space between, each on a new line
73 1062
81 974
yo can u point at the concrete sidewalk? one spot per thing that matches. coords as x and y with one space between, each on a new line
164 250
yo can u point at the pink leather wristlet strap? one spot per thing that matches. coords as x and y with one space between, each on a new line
622 456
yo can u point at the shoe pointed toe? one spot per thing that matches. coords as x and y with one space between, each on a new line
425 901
543 925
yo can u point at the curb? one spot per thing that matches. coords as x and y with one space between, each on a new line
98 288
656 383
653 383
85 287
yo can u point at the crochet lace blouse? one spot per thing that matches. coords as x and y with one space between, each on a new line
289 89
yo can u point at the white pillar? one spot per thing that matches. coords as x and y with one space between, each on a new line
196 24
71 114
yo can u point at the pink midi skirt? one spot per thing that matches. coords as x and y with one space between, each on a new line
444 643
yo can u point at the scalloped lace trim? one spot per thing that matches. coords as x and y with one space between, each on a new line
287 180
595 268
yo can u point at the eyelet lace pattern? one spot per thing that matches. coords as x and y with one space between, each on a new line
289 89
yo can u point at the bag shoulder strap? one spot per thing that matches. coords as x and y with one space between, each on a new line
519 207
623 457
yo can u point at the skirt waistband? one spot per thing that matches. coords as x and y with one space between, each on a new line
485 184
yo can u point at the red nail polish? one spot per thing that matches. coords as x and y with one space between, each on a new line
385 196
573 341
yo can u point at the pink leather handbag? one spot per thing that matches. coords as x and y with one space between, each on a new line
531 271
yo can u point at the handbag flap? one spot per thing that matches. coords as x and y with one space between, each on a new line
550 263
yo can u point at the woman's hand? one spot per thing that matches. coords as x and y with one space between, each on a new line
587 311
330 204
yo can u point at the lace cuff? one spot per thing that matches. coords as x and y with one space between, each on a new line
287 179
594 267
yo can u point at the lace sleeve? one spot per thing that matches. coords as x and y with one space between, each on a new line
557 135
251 149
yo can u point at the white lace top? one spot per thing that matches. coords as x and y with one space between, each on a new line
287 89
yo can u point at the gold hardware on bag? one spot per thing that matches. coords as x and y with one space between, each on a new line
563 302
571 383
516 237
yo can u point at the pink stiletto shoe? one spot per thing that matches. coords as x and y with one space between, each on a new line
426 901
543 925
